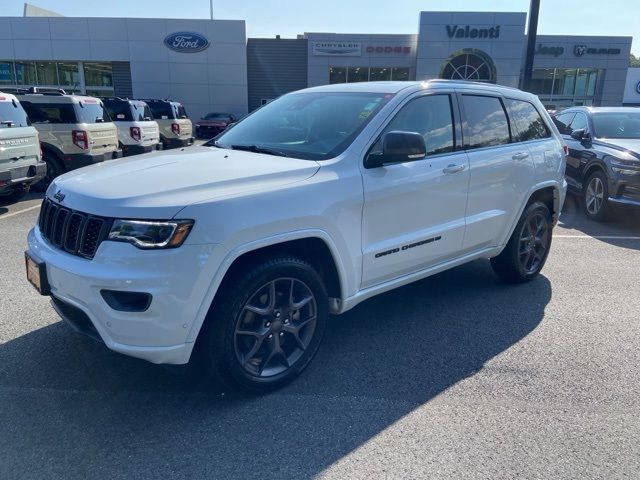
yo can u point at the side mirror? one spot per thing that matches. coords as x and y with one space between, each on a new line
581 134
398 147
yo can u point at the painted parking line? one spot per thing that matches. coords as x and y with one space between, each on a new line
600 237
12 214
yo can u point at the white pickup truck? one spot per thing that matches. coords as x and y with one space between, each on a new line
238 250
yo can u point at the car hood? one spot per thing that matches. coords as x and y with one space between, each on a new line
630 144
159 185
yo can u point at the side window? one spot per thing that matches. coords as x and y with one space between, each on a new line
49 112
579 122
563 121
431 117
528 120
485 123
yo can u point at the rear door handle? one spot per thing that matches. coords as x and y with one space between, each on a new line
520 155
453 168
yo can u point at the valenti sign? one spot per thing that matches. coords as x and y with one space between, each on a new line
337 49
186 42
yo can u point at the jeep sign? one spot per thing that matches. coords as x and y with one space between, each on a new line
186 42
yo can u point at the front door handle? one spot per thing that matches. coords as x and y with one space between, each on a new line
520 155
452 168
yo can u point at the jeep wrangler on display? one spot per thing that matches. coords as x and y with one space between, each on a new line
176 129
235 252
137 131
20 163
75 130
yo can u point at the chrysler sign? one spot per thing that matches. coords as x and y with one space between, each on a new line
338 49
186 42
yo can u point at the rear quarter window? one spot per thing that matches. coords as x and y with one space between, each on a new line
529 122
91 111
161 110
485 123
182 113
13 115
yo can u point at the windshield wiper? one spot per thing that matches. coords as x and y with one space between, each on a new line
259 149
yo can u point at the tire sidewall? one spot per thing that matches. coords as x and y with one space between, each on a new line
528 213
605 192
221 334
56 167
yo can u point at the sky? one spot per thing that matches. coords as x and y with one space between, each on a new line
267 18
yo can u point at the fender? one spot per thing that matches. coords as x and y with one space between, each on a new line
233 255
53 149
539 186
598 162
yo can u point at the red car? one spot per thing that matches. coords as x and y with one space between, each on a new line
213 123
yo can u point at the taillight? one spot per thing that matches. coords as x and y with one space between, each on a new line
80 139
39 144
135 133
175 128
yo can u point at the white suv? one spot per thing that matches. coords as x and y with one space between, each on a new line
309 206
137 131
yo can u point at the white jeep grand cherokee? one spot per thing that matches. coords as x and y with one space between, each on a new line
239 249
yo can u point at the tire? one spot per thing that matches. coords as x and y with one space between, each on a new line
54 169
257 344
526 253
594 196
16 194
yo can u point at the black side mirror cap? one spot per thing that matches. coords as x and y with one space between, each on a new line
581 134
398 147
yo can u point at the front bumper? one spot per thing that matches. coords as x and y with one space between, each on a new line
207 131
177 279
78 160
625 186
24 175
168 143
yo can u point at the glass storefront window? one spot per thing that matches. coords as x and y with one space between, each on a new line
400 74
565 81
98 74
6 73
47 74
564 87
337 74
586 82
25 73
100 93
380 74
68 73
358 74
542 81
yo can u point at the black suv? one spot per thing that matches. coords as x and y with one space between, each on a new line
603 165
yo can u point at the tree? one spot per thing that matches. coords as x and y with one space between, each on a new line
634 61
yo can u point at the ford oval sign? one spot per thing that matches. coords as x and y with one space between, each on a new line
186 42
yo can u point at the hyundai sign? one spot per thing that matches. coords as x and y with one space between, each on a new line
186 42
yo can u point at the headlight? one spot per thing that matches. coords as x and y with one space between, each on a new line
151 234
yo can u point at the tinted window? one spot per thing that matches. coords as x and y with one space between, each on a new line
161 110
312 126
528 120
50 112
430 116
486 122
182 113
218 116
91 111
616 125
13 115
119 111
562 121
579 123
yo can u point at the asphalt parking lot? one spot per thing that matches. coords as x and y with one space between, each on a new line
456 376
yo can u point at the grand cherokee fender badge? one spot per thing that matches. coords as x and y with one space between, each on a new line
59 196
407 247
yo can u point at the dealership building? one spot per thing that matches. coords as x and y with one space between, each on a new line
210 65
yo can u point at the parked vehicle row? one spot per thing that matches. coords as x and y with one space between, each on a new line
311 204
79 130
603 164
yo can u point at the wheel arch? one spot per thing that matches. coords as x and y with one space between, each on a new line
315 247
590 169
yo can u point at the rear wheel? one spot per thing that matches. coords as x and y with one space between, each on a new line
267 326
54 169
595 195
528 248
15 194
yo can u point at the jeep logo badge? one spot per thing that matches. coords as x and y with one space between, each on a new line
59 196
186 42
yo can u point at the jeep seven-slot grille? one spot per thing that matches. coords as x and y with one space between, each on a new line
75 232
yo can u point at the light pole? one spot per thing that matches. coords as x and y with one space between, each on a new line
211 9
532 31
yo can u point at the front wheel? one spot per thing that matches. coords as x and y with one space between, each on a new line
54 169
528 248
595 195
267 325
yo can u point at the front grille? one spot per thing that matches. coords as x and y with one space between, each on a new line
75 232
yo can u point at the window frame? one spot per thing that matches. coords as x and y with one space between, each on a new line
587 122
463 116
455 118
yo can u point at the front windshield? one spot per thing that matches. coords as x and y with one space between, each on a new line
310 126
617 125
